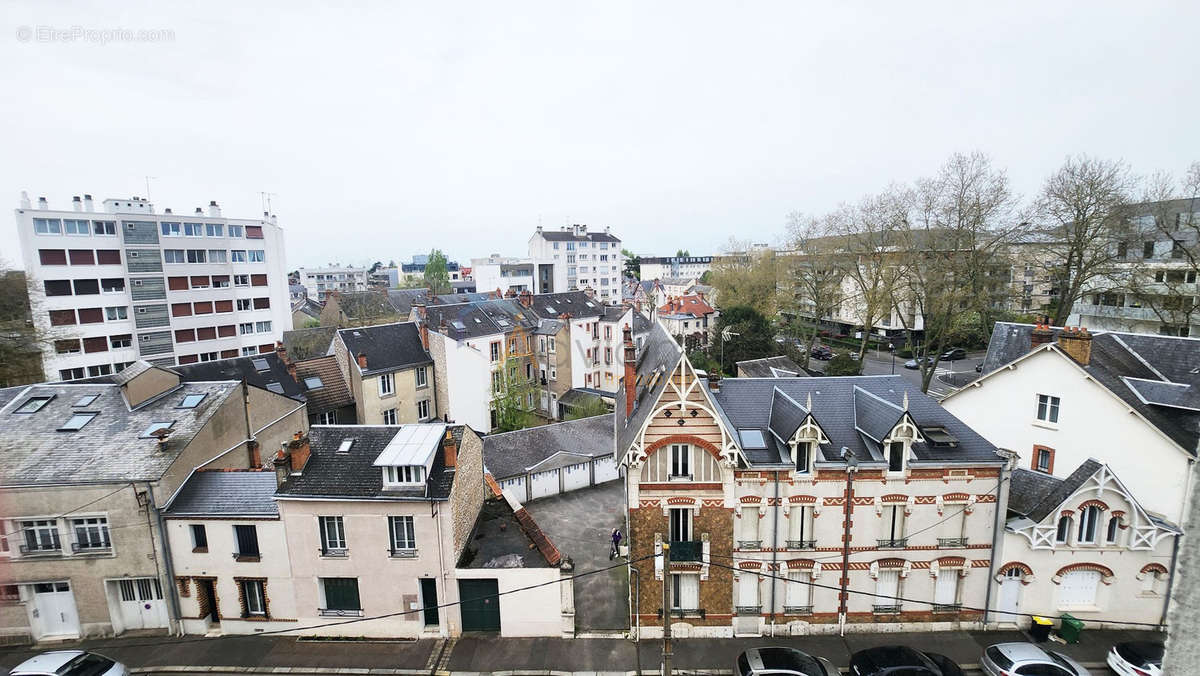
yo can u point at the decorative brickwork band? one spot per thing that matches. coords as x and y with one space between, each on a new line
802 499
749 565
1093 503
1152 569
800 564
685 439
1025 569
1106 574
750 499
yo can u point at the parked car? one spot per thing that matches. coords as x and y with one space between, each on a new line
782 661
1004 659
915 362
954 354
1136 658
821 352
901 660
69 663
979 367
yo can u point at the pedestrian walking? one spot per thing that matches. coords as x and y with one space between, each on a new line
616 544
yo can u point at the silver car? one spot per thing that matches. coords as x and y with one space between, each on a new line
69 663
1018 659
782 662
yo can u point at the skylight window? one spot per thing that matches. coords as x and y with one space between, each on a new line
191 401
77 421
86 400
313 383
275 387
458 326
34 404
550 310
344 447
260 365
752 439
154 427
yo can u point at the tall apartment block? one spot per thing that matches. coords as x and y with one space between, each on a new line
110 286
571 258
318 282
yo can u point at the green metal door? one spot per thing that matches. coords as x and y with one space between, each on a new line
480 605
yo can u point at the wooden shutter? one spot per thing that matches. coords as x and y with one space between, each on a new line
224 306
185 335
254 232
57 287
108 256
62 317
181 309
82 257
99 344
177 283
226 331
258 280
91 315
206 333
189 359
262 303
52 256
87 287
203 307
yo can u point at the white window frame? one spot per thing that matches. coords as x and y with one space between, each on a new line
422 376
389 416
387 384
680 463
423 409
255 596
402 533
1048 408
332 530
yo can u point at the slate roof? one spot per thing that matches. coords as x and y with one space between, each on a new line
334 392
1036 497
275 378
850 410
770 367
329 474
480 318
110 447
308 306
1136 367
568 236
657 358
576 303
218 493
308 343
387 346
513 453
403 300
363 305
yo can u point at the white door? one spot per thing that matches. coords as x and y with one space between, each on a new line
54 612
142 605
1010 597
577 476
543 484
606 470
1078 588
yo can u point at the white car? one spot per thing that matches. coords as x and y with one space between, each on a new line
1136 658
69 663
1007 659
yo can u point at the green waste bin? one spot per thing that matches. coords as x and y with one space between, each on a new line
1070 629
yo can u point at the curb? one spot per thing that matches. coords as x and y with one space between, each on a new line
347 671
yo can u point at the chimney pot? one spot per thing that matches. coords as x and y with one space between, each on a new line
1076 342
450 449
42 203
199 211
362 361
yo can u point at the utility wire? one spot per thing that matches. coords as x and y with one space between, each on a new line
354 620
912 600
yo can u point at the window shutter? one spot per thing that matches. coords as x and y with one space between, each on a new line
227 330
224 306
52 256
206 333
108 256
181 309
203 307
82 257
258 280
185 335
99 344
177 283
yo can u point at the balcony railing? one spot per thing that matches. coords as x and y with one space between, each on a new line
91 548
41 550
892 543
952 542
947 607
248 557
749 544
797 610
802 544
686 550
749 610
886 610
403 553
336 612
685 612
335 552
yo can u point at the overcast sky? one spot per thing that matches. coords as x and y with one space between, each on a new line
461 125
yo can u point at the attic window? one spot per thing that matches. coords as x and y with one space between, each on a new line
86 400
938 436
34 404
550 310
313 383
458 326
77 421
154 427
191 401
752 439
275 387
344 447
403 474
260 365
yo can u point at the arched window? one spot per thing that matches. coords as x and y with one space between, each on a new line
1064 528
1114 530
1089 522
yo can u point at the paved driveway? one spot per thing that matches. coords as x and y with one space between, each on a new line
579 523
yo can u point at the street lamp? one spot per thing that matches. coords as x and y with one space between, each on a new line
892 347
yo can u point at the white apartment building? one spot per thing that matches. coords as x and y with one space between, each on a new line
571 258
504 272
665 267
122 283
341 278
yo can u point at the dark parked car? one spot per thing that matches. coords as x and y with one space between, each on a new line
915 362
901 660
821 352
782 662
954 354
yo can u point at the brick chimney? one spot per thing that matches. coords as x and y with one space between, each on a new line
298 451
714 382
281 465
362 361
1077 343
630 370
450 449
291 369
281 351
1040 336
424 330
526 298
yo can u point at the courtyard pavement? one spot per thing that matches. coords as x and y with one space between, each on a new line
579 523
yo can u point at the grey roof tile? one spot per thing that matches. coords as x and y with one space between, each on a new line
659 356
387 346
220 493
1058 493
239 368
513 453
1027 488
770 367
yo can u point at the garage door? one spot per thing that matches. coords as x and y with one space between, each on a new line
141 602
577 476
480 605
543 484
606 470
517 486
1078 588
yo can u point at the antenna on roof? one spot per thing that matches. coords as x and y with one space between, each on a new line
148 179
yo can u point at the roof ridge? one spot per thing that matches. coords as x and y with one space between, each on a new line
1139 357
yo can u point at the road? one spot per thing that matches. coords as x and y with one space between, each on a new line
878 364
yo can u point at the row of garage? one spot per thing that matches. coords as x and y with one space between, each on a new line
539 462
561 473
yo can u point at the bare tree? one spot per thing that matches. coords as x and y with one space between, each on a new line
810 278
1079 212
744 276
955 241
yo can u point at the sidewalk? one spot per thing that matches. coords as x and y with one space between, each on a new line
488 654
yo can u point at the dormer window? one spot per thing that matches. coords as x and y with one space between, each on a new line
895 456
404 475
804 456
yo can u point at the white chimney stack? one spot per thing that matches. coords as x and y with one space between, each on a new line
214 209
77 203
199 211
87 203
25 200
42 203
